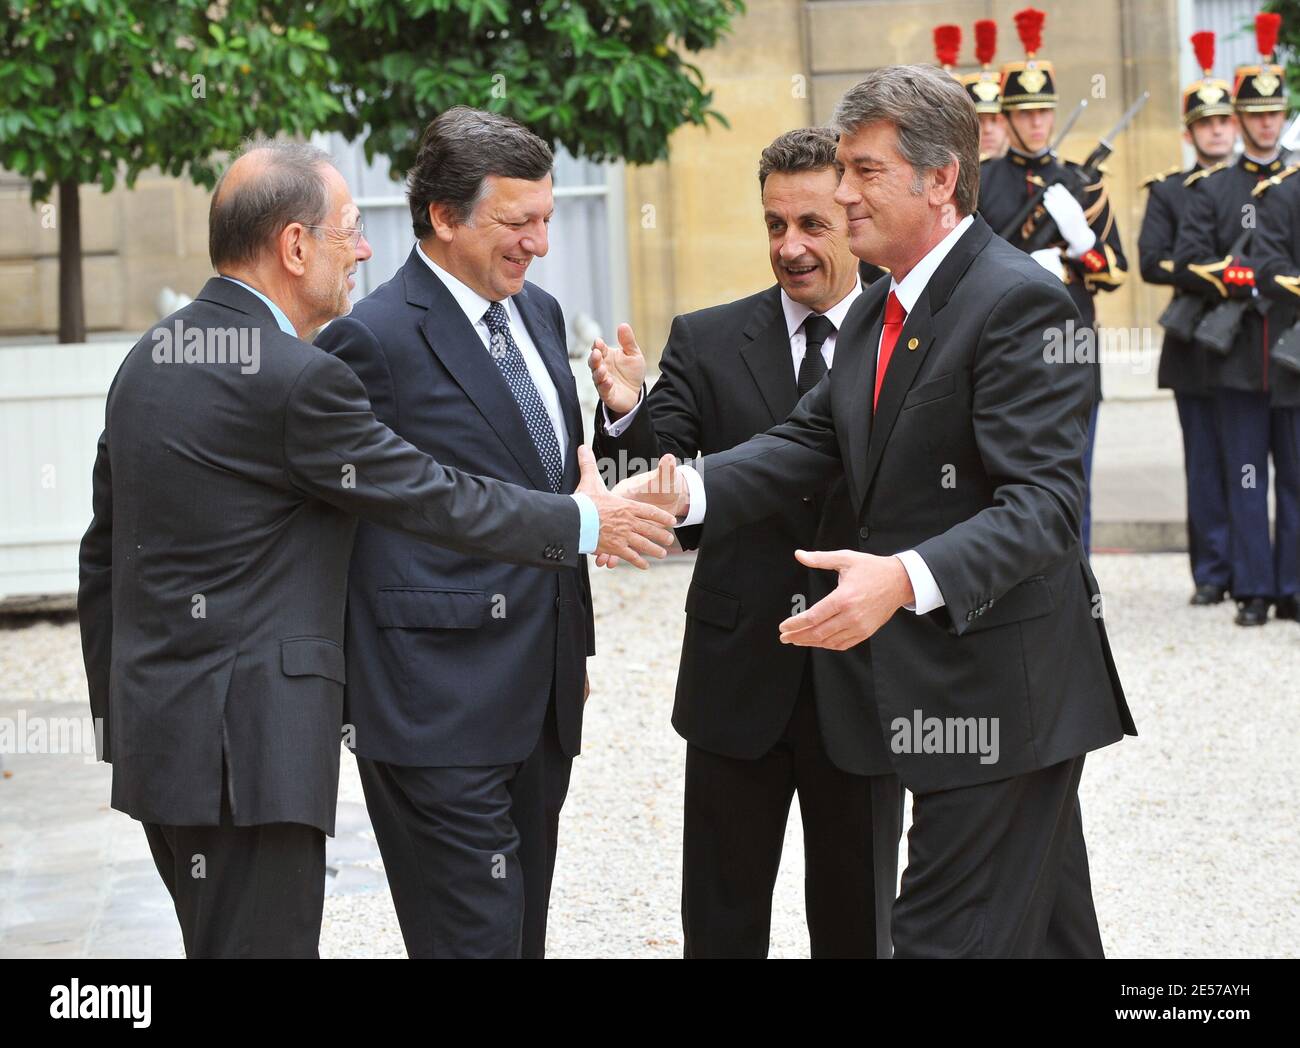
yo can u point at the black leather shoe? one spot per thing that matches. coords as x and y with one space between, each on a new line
1287 608
1252 612
1207 595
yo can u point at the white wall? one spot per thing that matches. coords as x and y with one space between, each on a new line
51 414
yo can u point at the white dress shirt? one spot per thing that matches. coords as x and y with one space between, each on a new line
474 306
795 314
924 587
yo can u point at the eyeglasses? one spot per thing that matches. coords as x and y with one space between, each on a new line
355 233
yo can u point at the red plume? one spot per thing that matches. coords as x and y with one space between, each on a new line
1029 24
986 40
1267 25
947 44
1203 45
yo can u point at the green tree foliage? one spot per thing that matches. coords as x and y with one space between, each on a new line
603 78
93 91
97 91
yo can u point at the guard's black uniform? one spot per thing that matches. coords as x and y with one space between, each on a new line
1219 205
1183 369
1277 253
1005 184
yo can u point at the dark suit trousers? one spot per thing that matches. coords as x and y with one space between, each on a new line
243 891
999 870
469 852
735 821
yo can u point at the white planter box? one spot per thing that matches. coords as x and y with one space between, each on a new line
51 414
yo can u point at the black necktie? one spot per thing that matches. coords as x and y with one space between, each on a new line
816 330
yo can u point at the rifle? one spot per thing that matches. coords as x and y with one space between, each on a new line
1076 180
1286 350
1181 316
1217 330
1013 226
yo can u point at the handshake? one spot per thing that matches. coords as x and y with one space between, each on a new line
635 517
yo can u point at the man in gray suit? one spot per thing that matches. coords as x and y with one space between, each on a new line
234 463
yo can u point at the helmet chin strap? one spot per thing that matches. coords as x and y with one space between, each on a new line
1252 146
1021 147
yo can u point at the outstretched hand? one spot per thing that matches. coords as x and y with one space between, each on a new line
618 374
869 591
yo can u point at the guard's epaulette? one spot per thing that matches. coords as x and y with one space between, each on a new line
1203 172
1175 170
1260 189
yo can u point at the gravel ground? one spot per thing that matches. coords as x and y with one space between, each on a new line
1192 827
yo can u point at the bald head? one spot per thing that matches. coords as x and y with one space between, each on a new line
269 185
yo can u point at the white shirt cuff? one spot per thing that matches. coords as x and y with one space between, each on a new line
616 429
695 488
924 588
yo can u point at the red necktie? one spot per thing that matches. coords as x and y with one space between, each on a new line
895 315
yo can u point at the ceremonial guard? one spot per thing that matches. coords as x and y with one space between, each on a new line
1277 256
1072 233
1215 256
1211 130
985 90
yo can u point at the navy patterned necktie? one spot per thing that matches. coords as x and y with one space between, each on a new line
505 351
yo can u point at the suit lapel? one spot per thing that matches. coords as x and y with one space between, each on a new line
854 375
914 343
767 356
456 344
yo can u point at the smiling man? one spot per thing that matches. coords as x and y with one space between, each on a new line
763 720
466 677
961 447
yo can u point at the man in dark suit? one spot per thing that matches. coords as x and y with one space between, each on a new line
959 430
466 678
763 720
1211 129
234 462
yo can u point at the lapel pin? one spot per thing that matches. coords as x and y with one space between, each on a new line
912 343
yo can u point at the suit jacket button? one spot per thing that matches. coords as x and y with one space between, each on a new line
559 553
970 616
864 533
807 498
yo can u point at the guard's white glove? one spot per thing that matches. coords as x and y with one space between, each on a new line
1050 259
1068 215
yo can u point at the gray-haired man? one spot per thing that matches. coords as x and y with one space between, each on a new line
213 576
961 441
